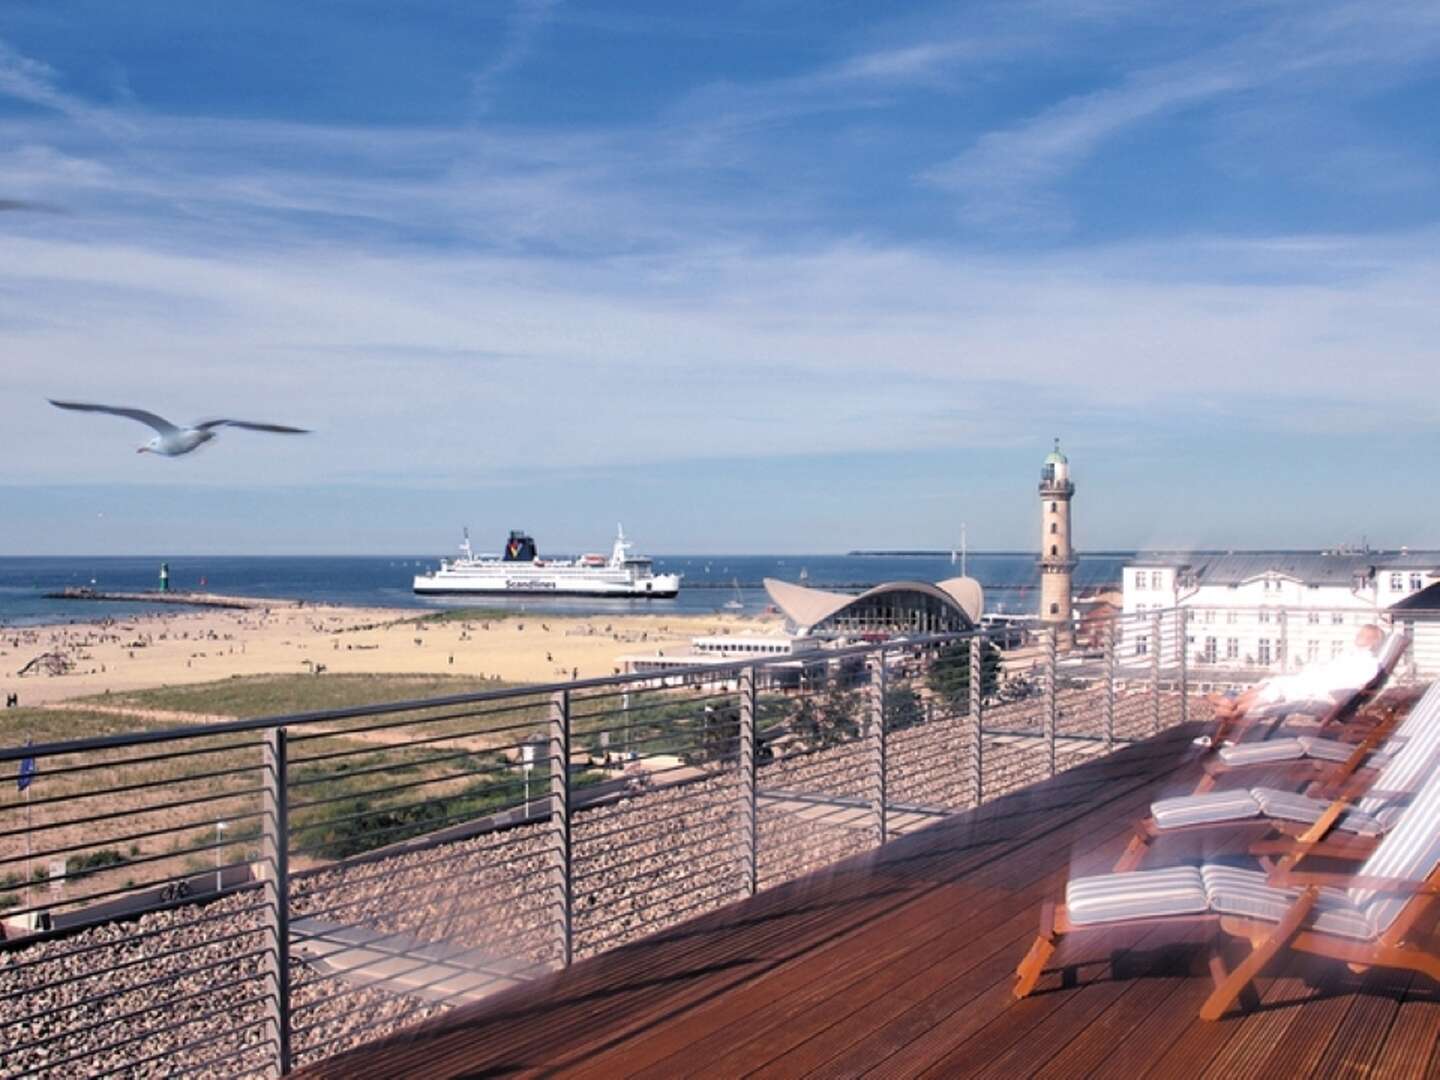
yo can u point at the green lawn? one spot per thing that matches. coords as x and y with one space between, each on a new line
46 725
273 695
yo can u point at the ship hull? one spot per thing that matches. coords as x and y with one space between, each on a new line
457 585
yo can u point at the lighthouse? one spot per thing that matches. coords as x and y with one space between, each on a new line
1057 557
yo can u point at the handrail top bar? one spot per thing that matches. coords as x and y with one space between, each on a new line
538 690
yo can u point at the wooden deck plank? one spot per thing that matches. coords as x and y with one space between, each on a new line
901 960
886 962
923 1002
1363 1033
913 866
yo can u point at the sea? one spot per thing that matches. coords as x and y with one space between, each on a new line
1010 580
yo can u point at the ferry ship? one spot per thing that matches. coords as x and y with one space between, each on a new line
519 570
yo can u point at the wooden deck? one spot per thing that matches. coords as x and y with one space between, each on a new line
899 964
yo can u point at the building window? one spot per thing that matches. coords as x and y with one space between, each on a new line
1157 580
1054 507
1264 616
1263 650
1054 550
1054 609
1142 644
1139 579
1210 651
1208 615
1313 618
1337 618
1232 648
1054 527
1416 582
1232 617
1336 648
1397 582
1312 650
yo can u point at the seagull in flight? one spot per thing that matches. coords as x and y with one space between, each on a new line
171 439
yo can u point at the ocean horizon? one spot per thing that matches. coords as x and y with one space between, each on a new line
709 581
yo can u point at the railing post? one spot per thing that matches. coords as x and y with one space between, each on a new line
1182 616
977 725
748 845
1155 647
1110 685
875 748
559 828
1052 650
275 857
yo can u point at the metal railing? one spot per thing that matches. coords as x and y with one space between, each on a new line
247 896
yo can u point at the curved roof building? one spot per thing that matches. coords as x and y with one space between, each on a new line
897 607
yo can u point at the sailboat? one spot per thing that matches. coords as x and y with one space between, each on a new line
735 603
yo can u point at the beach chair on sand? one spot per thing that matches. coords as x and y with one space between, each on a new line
1322 715
1366 919
1372 800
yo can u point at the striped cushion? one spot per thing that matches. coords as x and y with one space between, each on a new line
1391 650
1326 749
1390 815
1141 894
1416 743
1250 753
1233 891
1199 809
1272 709
1410 851
1292 806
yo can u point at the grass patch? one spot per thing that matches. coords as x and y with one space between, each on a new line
251 696
90 861
460 615
55 725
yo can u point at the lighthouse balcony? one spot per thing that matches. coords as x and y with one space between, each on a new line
1051 488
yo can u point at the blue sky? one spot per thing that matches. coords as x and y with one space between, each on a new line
790 276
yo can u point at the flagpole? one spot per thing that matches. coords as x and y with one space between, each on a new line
27 852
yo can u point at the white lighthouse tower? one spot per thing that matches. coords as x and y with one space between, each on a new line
1057 557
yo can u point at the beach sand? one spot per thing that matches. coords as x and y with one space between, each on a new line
174 648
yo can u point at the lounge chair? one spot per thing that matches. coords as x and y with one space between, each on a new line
1363 919
1326 713
1373 802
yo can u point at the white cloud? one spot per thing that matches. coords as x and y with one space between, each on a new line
527 20
1009 176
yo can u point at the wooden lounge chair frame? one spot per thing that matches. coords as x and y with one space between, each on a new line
1266 939
1342 782
1232 728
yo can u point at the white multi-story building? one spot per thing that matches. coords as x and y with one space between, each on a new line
1261 610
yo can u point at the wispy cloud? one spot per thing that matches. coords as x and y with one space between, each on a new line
1010 175
1006 176
525 24
36 83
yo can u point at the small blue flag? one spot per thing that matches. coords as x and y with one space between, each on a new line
27 772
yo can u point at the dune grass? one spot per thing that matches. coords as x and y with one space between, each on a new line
248 696
53 725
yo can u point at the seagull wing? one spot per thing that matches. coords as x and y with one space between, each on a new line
210 425
159 423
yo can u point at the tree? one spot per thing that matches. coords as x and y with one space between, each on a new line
949 674
903 708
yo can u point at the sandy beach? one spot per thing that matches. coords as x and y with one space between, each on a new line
181 647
